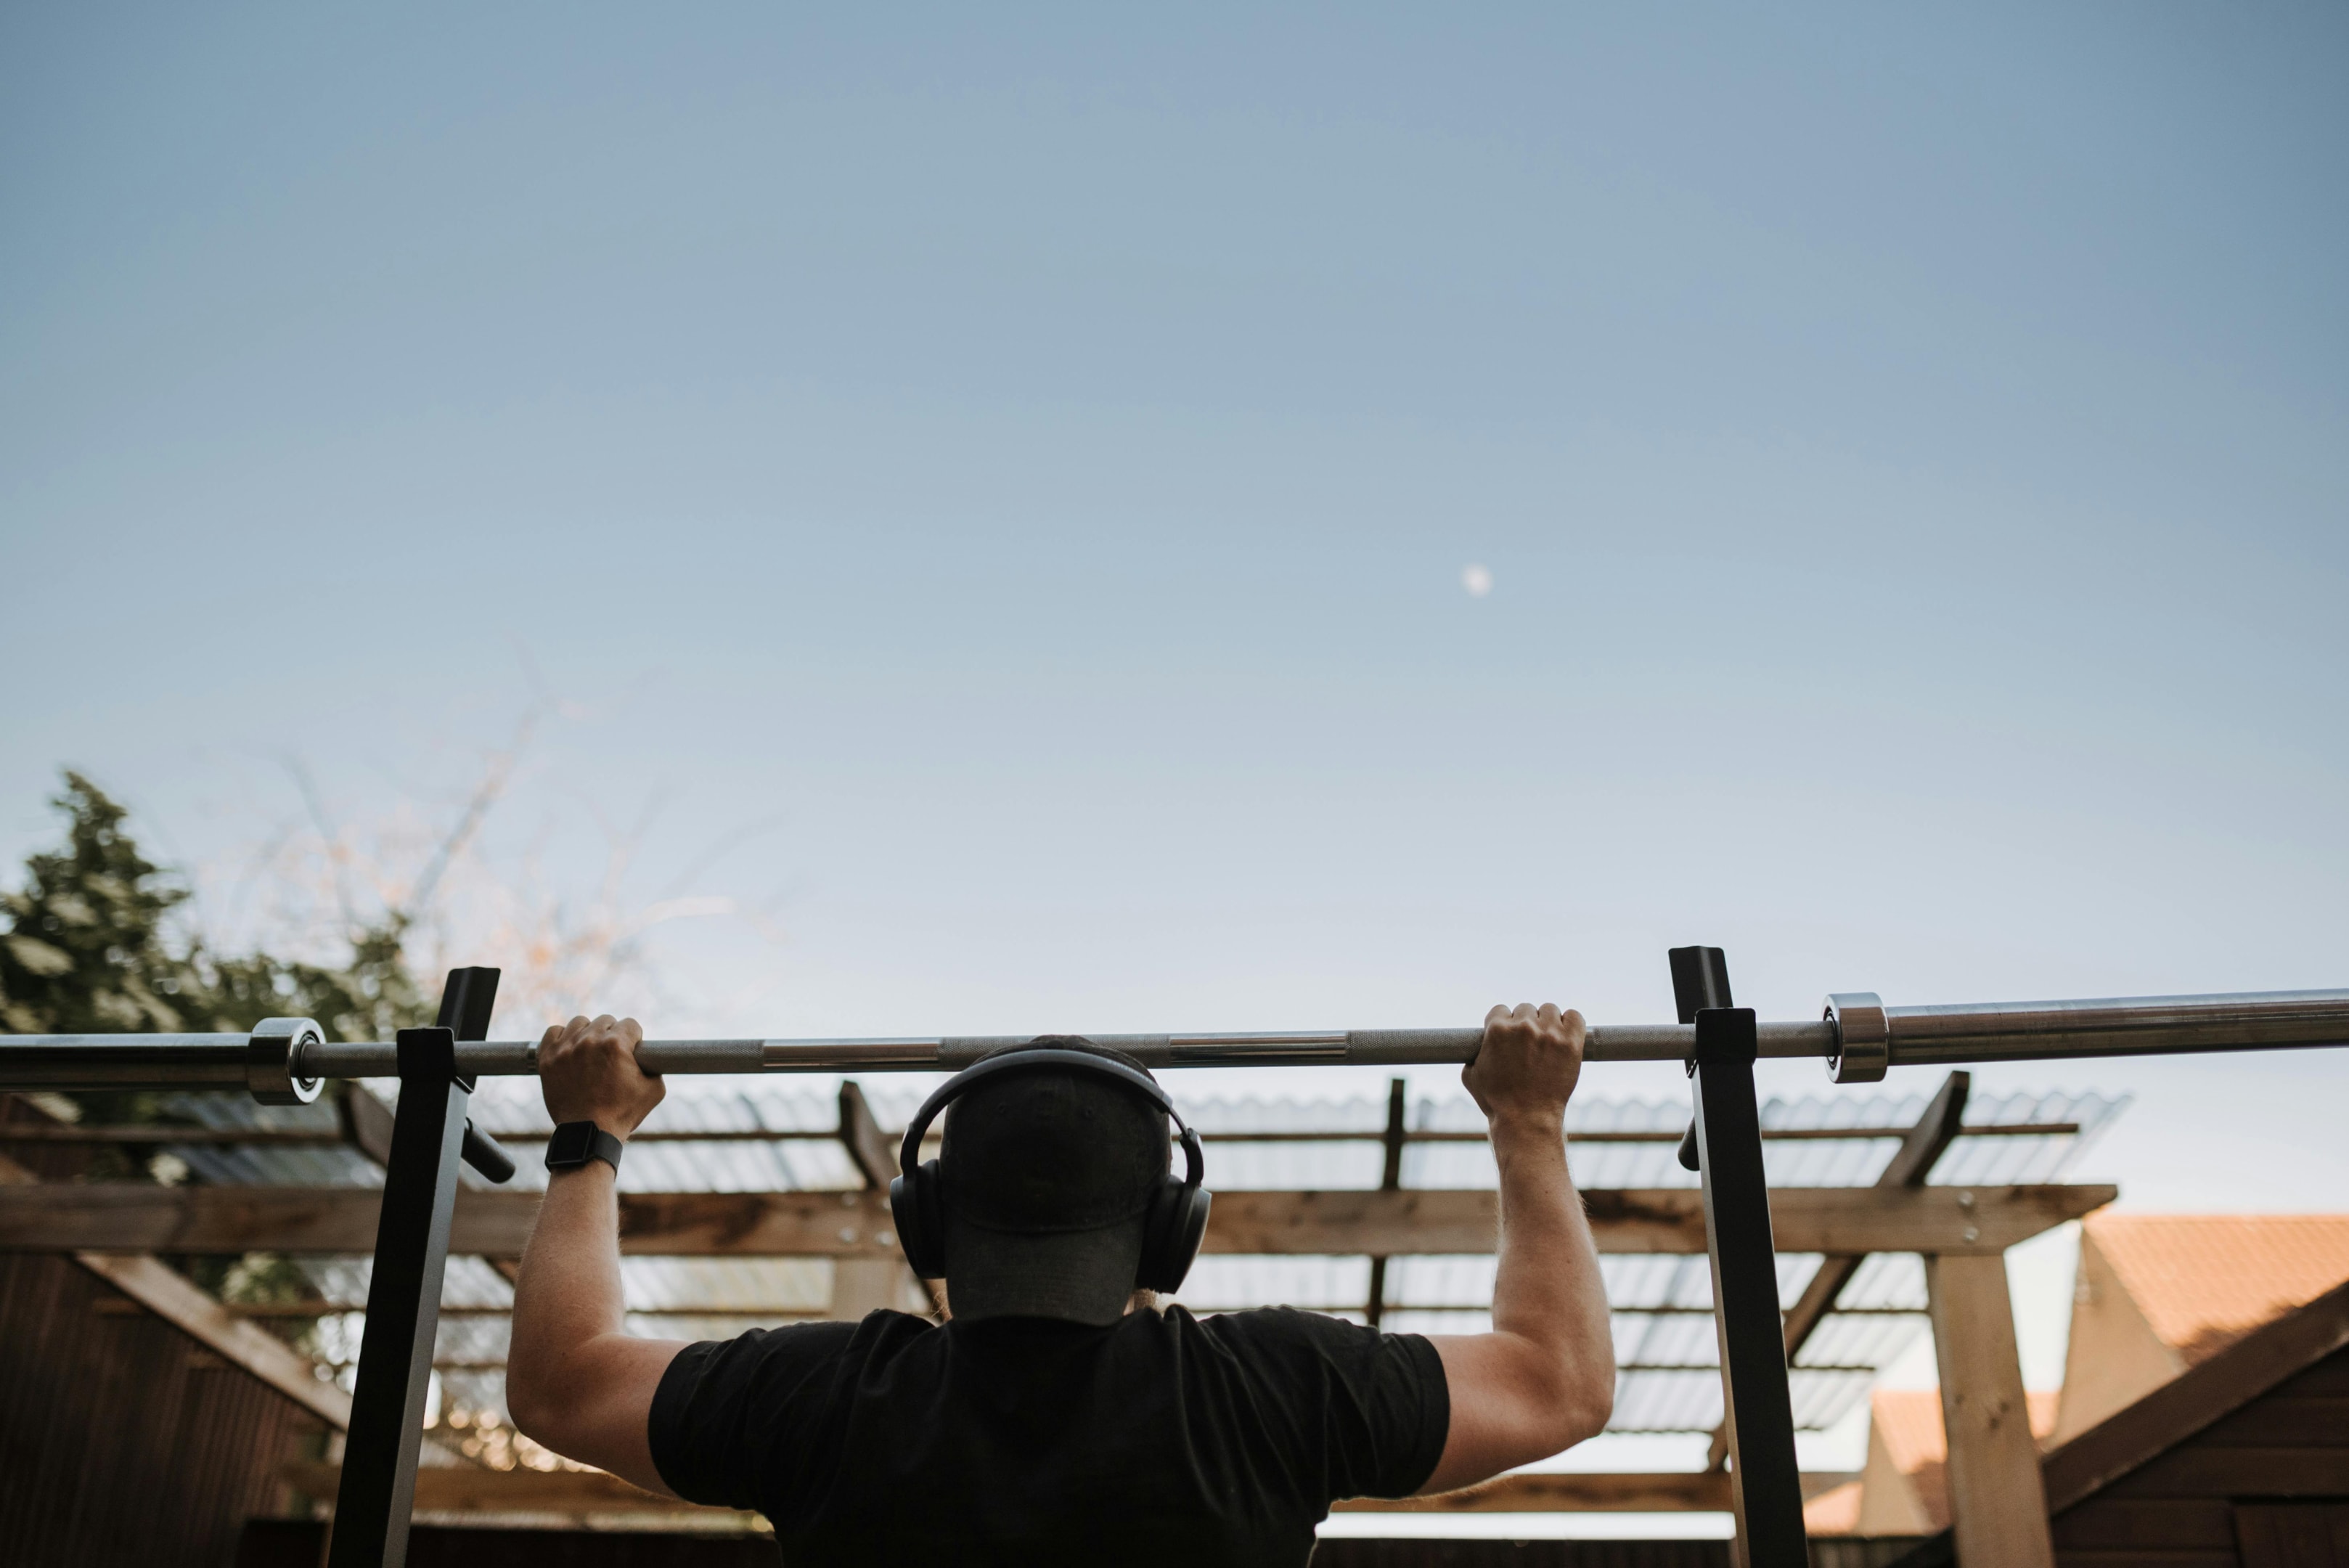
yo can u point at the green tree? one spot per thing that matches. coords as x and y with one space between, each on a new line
90 950
372 997
85 954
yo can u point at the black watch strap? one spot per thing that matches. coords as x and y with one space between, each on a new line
575 1143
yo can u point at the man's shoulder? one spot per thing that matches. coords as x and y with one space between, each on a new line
808 1343
1283 1328
880 1323
1278 1320
881 1332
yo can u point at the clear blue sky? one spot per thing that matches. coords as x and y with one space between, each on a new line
1034 458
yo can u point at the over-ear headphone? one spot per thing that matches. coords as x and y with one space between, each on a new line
1177 1220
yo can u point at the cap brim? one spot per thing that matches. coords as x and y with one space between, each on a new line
1081 1276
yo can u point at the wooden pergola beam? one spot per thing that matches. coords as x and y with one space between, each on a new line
594 1491
1839 1221
460 1490
862 1283
1832 1219
1567 1491
171 1297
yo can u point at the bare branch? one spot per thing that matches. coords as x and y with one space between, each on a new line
494 780
308 788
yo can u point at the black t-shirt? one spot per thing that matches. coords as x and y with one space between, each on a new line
1160 1438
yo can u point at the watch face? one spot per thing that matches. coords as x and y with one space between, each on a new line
571 1144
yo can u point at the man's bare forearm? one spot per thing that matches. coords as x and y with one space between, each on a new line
1546 1286
575 1380
569 1289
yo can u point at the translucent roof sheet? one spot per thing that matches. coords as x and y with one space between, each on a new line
1665 1340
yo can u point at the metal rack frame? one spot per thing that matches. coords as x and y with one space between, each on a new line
286 1061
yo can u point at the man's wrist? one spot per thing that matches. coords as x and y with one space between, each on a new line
1514 1123
582 1141
618 1126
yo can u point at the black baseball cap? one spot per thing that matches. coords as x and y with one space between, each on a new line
1047 1177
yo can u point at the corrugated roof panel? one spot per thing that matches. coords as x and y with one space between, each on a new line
1627 1165
1690 1401
2002 1161
1794 1271
1356 1114
1636 1280
1655 1279
1666 1401
683 1285
1675 1339
1827 1162
1823 1398
323 1167
1280 1166
1886 1281
1222 1281
475 1282
1859 1113
470 1338
1441 1280
1845 1339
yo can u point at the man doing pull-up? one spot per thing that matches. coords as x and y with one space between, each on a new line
1058 1415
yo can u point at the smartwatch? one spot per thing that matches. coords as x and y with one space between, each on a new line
575 1143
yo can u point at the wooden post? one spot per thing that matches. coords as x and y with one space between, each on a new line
860 1285
1998 1503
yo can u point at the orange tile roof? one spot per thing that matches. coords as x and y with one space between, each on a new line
2204 1280
1909 1422
1832 1512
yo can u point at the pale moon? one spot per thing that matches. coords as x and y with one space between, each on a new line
1476 579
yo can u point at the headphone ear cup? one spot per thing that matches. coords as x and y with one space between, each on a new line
901 1213
921 1228
1172 1235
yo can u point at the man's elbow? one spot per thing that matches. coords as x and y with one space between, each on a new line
534 1400
1581 1402
1586 1412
